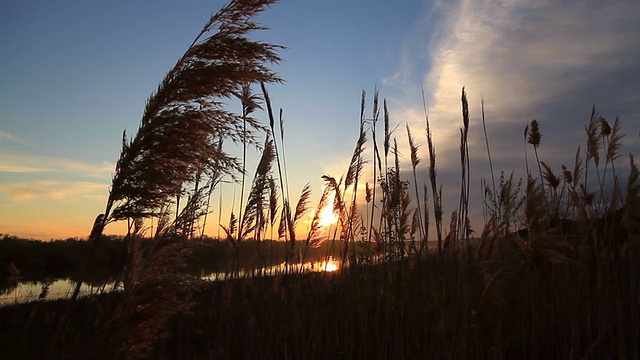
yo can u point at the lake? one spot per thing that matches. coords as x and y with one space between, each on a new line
28 291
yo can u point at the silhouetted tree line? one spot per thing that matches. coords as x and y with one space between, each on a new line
41 260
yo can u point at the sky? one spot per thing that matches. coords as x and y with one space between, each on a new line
74 75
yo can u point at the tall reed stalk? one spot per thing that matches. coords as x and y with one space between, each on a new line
178 140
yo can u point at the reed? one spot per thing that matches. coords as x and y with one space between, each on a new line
553 273
540 293
436 194
178 142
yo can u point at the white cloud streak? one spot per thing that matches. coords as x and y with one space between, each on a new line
548 60
53 190
5 136
21 163
523 57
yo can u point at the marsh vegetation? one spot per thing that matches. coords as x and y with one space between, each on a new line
553 273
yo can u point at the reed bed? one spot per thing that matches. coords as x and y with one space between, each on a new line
553 273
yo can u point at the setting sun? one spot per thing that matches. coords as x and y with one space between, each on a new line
327 216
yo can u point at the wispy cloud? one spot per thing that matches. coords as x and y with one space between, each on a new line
53 190
22 163
520 54
5 136
548 60
527 59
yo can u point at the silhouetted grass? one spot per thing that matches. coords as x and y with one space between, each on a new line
554 273
566 286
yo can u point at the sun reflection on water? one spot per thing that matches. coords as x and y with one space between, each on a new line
329 265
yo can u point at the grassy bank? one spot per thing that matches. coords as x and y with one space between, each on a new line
464 307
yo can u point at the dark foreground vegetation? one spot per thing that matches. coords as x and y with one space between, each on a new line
467 306
553 273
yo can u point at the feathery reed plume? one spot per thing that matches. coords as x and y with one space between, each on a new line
312 237
574 186
508 203
550 178
534 136
486 140
302 206
183 224
230 231
593 142
338 206
631 215
534 139
387 130
183 120
357 162
463 207
614 139
250 102
285 215
415 157
396 193
254 218
593 150
273 201
611 139
437 201
394 213
377 164
353 175
578 167
552 182
415 160
384 173
288 221
405 221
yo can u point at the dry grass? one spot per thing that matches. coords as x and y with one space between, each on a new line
565 285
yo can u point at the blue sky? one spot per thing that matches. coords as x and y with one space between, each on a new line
74 76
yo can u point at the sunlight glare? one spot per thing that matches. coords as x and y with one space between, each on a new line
327 216
329 266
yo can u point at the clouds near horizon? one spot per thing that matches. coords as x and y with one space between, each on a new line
545 59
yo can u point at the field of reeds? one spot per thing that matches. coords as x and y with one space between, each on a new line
553 273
